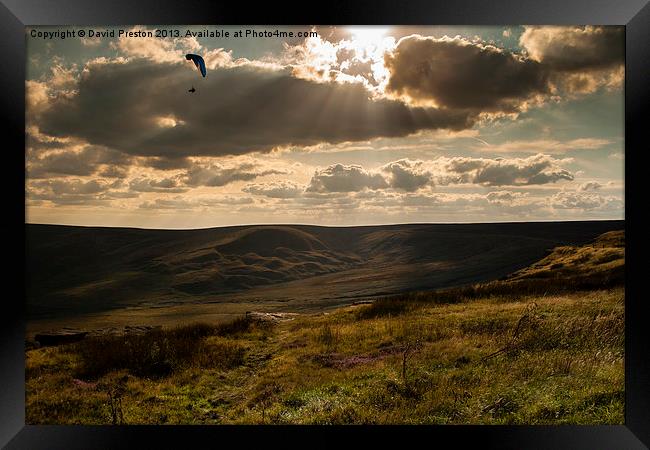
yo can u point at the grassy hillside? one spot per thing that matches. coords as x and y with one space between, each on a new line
544 346
84 270
600 259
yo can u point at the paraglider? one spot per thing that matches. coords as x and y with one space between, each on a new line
198 62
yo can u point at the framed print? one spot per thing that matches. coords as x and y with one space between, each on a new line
380 221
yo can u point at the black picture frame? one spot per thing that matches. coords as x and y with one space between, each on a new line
16 14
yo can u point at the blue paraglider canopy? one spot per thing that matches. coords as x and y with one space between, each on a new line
198 62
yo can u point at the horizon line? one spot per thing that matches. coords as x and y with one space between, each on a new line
326 226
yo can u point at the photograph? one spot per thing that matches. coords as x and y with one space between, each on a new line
325 225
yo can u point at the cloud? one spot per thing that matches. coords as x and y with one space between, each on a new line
344 60
538 169
344 178
455 203
578 48
411 175
86 161
118 195
246 106
61 81
182 203
407 174
545 145
62 77
459 74
36 98
172 204
220 175
75 192
164 163
153 185
505 197
114 172
60 163
427 202
581 83
275 189
115 118
454 73
75 186
590 186
235 111
581 59
578 200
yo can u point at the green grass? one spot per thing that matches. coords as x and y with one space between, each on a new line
559 359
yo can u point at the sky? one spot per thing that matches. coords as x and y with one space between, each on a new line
345 126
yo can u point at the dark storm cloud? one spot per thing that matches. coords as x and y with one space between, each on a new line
457 74
134 106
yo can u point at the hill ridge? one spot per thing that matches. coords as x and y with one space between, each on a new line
78 270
